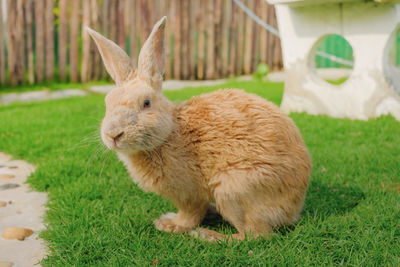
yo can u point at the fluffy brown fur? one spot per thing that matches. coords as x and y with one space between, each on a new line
228 147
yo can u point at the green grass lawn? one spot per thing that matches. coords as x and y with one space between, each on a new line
338 81
98 217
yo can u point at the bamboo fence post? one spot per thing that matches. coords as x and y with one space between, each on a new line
193 8
105 14
185 39
263 32
15 41
157 10
11 53
127 15
172 14
151 17
29 40
132 32
233 40
62 39
225 37
95 56
240 42
255 34
85 65
270 37
138 27
218 37
12 42
201 46
74 35
21 41
248 40
145 21
105 27
49 22
177 40
39 19
168 38
2 54
11 39
121 25
113 20
277 63
210 69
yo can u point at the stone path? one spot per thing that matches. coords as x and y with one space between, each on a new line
331 74
167 85
21 212
8 98
40 95
171 85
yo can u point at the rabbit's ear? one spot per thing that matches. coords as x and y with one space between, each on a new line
151 63
117 62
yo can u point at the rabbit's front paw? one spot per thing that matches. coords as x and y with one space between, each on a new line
167 223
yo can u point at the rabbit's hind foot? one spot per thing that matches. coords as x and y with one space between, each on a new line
167 223
181 222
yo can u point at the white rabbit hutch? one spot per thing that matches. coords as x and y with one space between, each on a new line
373 88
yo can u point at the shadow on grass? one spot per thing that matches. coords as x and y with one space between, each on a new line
322 201
331 199
215 221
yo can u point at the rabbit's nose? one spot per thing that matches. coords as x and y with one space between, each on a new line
115 138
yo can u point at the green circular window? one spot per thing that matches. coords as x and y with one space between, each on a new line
333 59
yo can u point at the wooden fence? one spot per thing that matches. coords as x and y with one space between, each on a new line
44 40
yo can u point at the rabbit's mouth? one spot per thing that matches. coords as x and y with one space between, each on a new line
122 143
112 144
115 142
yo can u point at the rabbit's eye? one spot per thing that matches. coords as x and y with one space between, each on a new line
146 103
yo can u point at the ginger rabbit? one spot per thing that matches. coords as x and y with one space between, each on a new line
229 147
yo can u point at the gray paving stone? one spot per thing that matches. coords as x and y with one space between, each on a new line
67 93
40 95
8 186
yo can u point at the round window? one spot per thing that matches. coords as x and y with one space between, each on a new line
332 59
